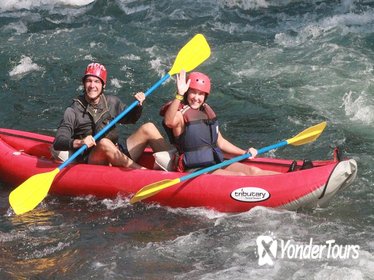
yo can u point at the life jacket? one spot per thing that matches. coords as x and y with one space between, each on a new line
197 145
99 117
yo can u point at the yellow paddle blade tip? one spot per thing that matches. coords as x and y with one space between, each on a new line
308 135
31 192
195 52
153 189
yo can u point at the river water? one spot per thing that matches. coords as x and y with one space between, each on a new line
277 67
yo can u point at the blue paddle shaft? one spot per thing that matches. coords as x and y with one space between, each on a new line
114 121
230 161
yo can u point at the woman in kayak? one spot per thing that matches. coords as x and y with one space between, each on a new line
192 127
91 112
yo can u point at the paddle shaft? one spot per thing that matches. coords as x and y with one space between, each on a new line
113 122
230 161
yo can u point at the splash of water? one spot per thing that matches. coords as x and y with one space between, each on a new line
24 67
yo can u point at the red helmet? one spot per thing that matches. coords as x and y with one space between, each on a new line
199 81
97 70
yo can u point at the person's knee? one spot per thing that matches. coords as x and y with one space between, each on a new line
254 171
149 126
105 144
149 129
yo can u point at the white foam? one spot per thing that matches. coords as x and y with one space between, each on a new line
118 202
76 3
245 4
342 23
60 246
347 5
89 57
350 20
25 66
202 212
232 27
156 63
116 83
131 57
358 109
14 5
338 272
127 7
18 27
12 236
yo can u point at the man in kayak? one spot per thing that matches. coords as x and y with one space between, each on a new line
91 112
192 127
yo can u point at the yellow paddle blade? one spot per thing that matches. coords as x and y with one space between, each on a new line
308 135
31 192
195 52
152 189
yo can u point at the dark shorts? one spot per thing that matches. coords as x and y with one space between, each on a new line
123 148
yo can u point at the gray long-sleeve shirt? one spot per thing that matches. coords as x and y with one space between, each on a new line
80 119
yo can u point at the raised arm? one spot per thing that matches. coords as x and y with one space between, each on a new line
173 118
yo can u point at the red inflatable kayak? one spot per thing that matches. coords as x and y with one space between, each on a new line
24 154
